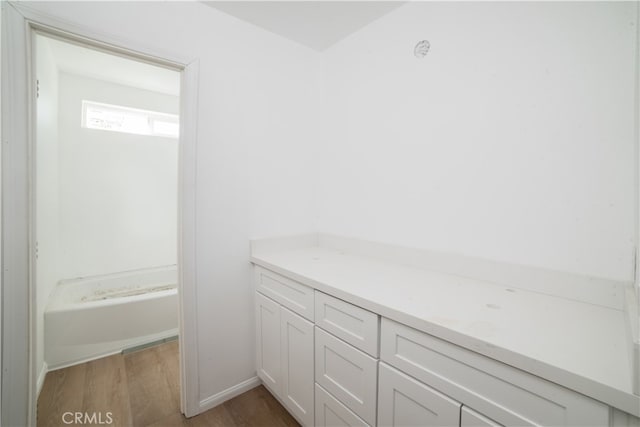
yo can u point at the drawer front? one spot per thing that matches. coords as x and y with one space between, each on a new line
331 413
348 374
503 393
403 401
293 295
470 418
352 324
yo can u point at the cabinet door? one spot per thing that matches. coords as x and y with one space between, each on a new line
404 401
297 365
470 418
268 343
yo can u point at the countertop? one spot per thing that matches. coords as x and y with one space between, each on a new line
581 346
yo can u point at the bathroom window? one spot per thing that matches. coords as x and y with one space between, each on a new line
96 115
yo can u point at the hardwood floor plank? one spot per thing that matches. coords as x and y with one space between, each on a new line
142 389
62 391
172 420
106 391
152 398
257 407
216 417
169 356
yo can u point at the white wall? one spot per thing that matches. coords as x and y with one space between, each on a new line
118 191
512 140
47 227
1 286
637 154
257 94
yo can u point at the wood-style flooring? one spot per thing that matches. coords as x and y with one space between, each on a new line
142 389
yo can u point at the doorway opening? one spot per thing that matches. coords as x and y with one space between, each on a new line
105 210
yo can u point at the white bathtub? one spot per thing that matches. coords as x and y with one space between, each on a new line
96 316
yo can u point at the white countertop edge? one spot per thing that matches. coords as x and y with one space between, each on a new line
616 398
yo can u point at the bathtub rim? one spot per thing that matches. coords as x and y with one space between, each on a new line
59 300
88 305
117 274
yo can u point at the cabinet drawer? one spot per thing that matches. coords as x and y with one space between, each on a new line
348 374
331 413
503 393
470 418
293 295
403 401
354 325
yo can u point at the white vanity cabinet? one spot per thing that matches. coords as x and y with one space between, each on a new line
334 346
284 357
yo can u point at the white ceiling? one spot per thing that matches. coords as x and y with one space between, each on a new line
316 24
74 59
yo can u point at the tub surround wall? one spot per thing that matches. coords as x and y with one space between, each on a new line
118 191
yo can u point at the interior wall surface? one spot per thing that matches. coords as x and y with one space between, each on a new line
512 139
118 191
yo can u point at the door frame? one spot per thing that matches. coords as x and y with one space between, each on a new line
19 376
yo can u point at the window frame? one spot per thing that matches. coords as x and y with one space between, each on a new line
152 117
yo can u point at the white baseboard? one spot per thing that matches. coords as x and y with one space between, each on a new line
41 377
230 393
